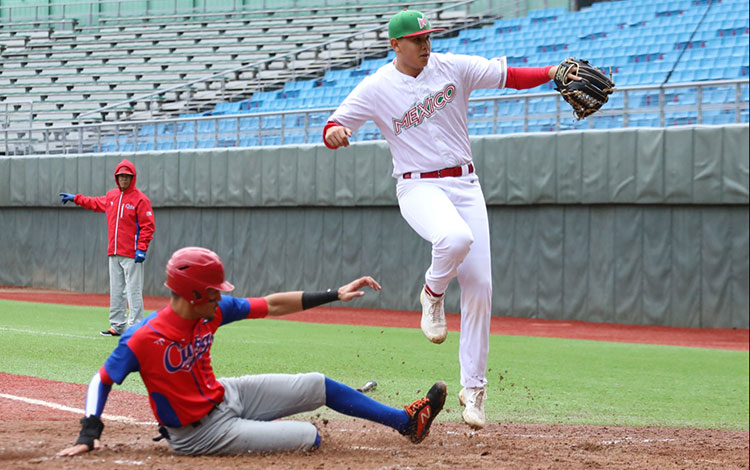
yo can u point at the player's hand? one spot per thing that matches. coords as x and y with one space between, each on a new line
571 75
79 449
338 136
352 290
65 197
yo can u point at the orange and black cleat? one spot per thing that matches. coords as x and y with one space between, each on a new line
423 411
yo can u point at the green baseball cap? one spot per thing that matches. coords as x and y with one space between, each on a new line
409 23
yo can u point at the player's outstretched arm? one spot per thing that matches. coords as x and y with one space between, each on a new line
285 303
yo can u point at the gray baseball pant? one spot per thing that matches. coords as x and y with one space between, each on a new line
244 421
125 292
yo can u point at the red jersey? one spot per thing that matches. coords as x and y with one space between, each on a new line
173 357
130 218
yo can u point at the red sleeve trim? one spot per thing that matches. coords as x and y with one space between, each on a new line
258 307
522 78
329 124
104 376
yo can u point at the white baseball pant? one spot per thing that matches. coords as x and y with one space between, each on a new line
125 292
451 214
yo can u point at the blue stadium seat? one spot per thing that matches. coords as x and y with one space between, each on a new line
109 147
272 139
271 122
249 124
607 122
680 119
226 108
167 144
542 125
291 138
206 127
206 143
643 120
185 144
185 127
249 141
144 146
146 130
718 117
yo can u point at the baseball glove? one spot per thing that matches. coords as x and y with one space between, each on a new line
587 95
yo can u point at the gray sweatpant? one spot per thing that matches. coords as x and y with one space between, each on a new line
125 292
244 421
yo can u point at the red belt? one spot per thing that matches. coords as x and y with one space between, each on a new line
453 171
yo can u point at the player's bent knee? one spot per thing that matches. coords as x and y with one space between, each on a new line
455 244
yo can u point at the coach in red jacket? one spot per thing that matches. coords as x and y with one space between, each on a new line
130 222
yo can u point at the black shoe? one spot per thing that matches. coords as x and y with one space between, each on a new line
109 332
423 411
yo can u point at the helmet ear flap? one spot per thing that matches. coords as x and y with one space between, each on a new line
197 298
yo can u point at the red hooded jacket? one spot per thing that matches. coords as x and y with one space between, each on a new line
130 218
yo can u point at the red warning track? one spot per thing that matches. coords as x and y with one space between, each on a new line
719 338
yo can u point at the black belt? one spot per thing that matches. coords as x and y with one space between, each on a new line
200 421
164 432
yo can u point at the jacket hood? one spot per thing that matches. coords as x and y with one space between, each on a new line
126 166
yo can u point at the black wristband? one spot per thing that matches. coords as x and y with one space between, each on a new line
91 428
313 299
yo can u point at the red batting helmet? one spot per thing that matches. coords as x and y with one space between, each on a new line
192 270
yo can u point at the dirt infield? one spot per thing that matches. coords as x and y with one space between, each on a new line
352 445
31 434
39 418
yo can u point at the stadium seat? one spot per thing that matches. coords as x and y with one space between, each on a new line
642 41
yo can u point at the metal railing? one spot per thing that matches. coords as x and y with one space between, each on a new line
627 108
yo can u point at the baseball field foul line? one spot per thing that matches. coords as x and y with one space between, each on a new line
33 401
62 335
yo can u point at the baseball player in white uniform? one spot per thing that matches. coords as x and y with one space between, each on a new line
420 102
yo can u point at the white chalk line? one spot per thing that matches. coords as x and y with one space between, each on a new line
80 411
49 333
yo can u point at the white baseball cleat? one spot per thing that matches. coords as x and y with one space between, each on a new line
473 399
433 321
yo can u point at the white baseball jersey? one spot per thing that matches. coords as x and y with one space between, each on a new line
423 118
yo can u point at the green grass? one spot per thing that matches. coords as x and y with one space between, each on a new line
531 380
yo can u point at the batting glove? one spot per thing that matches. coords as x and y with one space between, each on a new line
140 256
65 197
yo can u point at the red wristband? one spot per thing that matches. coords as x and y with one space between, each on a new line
329 124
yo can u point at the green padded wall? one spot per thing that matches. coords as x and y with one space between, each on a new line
641 226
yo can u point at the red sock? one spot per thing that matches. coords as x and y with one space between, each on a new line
429 291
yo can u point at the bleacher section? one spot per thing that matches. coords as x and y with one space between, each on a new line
642 42
69 69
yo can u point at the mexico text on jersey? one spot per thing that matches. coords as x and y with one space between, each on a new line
421 111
